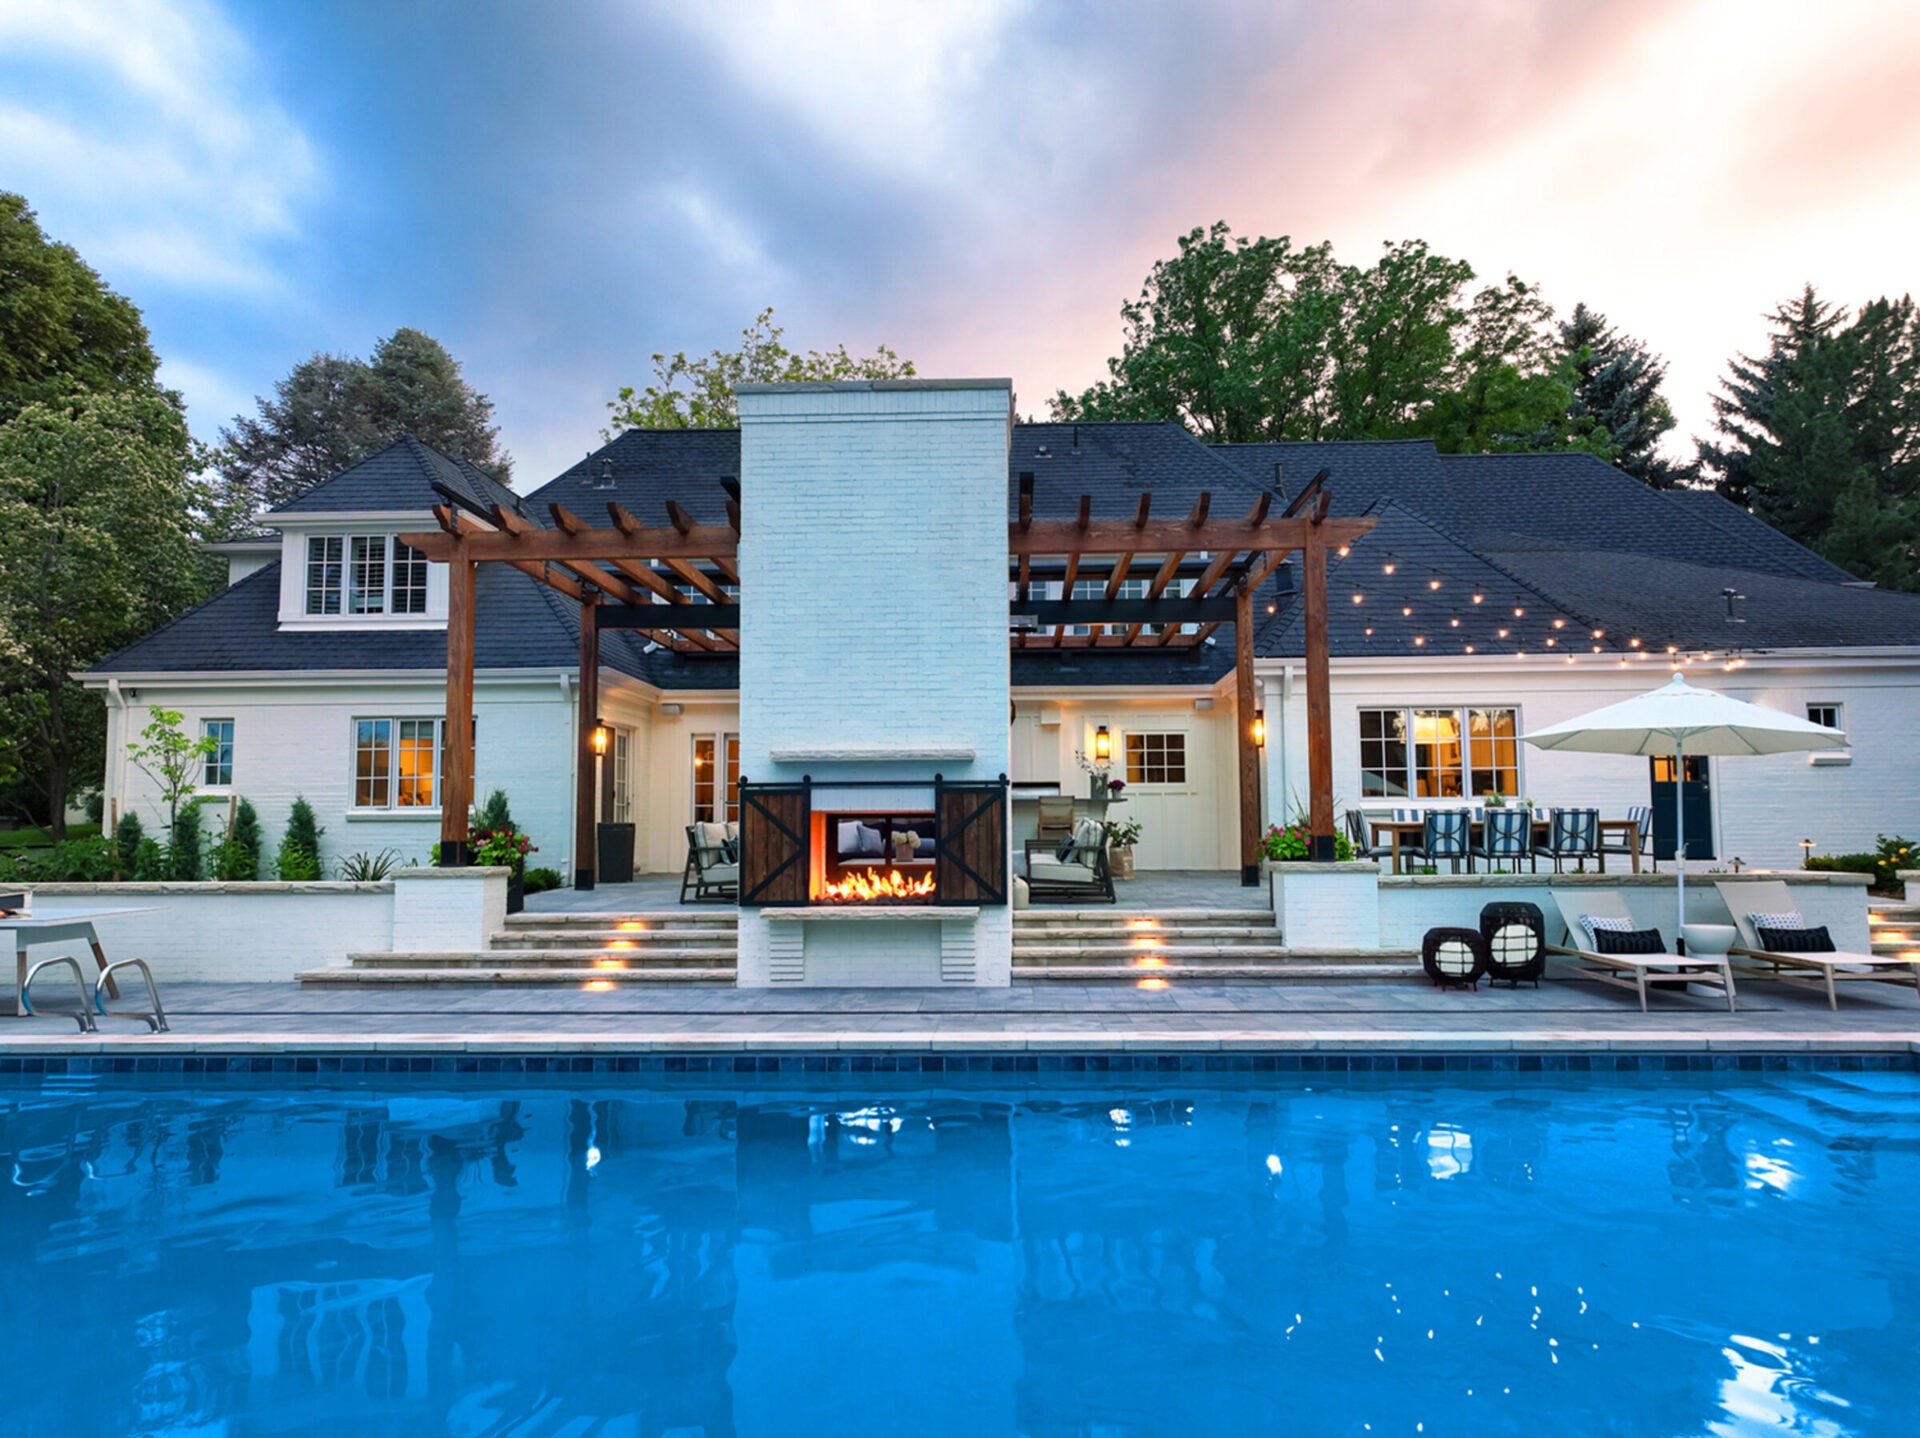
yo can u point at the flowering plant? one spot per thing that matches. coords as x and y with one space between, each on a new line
1294 844
1098 768
1114 786
502 848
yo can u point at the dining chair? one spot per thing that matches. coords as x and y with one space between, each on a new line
1572 834
1506 837
1447 834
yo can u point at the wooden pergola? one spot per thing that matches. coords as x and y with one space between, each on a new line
669 581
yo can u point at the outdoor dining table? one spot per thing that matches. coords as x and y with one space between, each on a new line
29 930
1402 829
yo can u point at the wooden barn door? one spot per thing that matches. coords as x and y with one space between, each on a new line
972 824
775 821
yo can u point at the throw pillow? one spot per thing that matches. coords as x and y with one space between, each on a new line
730 851
1795 941
1628 941
1593 923
1786 919
849 839
871 846
1063 851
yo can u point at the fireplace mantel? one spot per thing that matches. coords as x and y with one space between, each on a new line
875 754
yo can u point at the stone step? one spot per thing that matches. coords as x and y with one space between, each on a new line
642 940
1164 933
573 977
1168 953
1297 972
549 958
1895 948
716 918
1048 916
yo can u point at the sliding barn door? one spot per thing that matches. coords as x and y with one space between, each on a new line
972 863
775 821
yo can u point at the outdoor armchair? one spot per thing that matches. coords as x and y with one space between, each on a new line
713 867
1081 873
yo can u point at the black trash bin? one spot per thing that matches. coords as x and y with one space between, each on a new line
615 842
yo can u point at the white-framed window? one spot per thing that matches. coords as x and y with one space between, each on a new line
218 773
622 776
716 778
1434 753
364 574
1828 716
1155 758
397 763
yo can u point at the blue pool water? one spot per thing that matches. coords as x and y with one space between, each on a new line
1536 1254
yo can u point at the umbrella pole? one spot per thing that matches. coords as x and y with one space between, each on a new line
1680 837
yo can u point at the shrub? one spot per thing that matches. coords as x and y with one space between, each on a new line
71 861
538 881
185 855
96 805
1884 864
238 859
299 856
127 837
364 868
149 861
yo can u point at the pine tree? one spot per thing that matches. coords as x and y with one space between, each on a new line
494 814
127 836
299 856
1617 387
238 859
186 853
1753 389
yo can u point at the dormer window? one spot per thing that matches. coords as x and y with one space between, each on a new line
364 574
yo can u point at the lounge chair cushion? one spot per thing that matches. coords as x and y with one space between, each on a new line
1795 941
1045 869
1786 919
1609 940
720 874
1594 923
712 836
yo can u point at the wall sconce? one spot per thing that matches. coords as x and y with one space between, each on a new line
1260 728
602 738
1102 745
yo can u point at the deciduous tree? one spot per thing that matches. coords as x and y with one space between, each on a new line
698 393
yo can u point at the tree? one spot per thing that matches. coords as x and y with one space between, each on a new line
237 858
1256 340
1820 436
173 761
96 549
299 856
333 411
61 329
698 393
1616 386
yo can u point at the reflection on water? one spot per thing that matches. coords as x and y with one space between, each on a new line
1655 1256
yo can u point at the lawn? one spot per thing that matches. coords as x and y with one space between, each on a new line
37 838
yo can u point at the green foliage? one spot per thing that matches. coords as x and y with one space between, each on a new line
699 393
1254 340
186 855
1616 386
493 814
237 860
172 760
61 329
96 549
501 847
538 881
71 861
364 868
127 837
1891 854
1820 436
1124 836
299 855
149 862
1294 843
333 411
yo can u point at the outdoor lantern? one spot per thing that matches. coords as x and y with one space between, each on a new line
1260 727
1806 853
1102 745
602 738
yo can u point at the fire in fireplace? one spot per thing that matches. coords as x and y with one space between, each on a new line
872 858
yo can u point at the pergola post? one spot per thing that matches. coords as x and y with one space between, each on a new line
586 775
456 785
1245 708
1319 699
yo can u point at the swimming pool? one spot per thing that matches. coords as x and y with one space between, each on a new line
1134 1254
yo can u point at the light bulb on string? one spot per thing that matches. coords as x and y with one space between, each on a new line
1273 609
1388 567
1596 649
1406 611
1559 624
1418 640
1454 622
1345 550
1434 583
1369 629
1551 641
1502 633
1518 612
1599 634
1478 597
1633 643
1358 597
1469 649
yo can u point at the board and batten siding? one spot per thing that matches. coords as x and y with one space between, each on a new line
1762 806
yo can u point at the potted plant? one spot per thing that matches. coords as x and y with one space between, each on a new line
1293 844
1493 799
508 849
1098 773
1120 841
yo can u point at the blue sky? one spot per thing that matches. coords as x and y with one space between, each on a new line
557 191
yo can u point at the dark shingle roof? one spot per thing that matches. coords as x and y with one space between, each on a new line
399 477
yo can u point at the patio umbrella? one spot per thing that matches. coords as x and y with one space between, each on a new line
1681 720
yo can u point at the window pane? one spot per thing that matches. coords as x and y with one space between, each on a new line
1493 751
218 771
372 761
323 574
733 777
1383 753
409 579
1437 767
623 776
367 587
415 758
1156 758
703 779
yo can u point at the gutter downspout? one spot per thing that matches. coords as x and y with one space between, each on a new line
110 781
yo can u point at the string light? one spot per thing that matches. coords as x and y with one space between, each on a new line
1633 643
1357 598
1596 649
1273 609
1469 649
1406 611
1345 550
1455 621
1502 633
1673 649
1418 640
1434 583
1551 641
1478 597
1518 612
1599 634
1369 629
1559 624
1387 568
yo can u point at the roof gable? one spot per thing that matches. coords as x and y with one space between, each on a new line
397 478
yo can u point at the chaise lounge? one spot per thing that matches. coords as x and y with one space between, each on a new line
1752 901
1590 911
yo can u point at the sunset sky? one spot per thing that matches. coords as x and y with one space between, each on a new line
557 191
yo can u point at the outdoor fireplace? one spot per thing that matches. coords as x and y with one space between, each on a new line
868 858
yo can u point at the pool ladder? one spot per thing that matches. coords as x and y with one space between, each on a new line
156 1020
